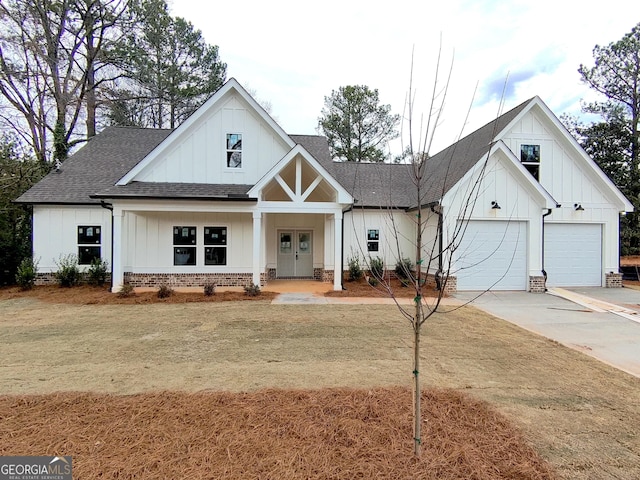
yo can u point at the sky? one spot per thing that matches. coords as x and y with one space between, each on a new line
294 54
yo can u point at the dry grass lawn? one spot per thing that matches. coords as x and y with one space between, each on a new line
579 414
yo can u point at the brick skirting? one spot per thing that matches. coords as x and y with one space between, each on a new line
613 280
189 279
537 284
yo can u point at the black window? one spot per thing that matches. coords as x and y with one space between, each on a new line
183 254
234 150
215 236
89 234
184 235
215 255
530 158
373 240
89 243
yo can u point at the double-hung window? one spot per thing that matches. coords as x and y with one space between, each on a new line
89 243
184 245
234 150
373 240
530 158
215 241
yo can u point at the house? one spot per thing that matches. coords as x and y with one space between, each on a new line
228 197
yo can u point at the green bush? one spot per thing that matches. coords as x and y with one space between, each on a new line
355 271
404 268
68 274
26 273
165 291
97 272
252 290
209 289
126 291
376 267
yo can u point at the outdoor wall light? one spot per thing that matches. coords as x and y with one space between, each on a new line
578 207
495 206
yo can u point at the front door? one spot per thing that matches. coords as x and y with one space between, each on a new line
295 253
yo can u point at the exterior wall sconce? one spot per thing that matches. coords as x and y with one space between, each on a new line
578 207
495 206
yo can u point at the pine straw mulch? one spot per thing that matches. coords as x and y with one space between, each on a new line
90 295
274 434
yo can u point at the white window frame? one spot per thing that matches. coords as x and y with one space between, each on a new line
231 151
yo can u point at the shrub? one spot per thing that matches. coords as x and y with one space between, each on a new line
376 267
252 290
373 282
404 268
126 291
68 274
165 291
26 273
97 272
355 272
209 289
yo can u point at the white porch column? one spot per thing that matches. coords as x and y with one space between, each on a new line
337 251
117 242
257 246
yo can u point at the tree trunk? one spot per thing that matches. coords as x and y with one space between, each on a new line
417 410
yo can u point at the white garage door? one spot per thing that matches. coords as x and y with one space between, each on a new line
492 255
573 254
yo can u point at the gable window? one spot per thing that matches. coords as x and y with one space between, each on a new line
530 158
234 150
216 251
373 240
184 241
89 243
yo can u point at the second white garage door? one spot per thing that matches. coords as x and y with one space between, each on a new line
573 254
492 254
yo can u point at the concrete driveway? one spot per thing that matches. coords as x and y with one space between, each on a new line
609 337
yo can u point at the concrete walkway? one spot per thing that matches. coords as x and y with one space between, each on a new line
599 322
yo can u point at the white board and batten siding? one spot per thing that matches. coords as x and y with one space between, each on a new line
396 238
570 179
198 155
57 228
149 241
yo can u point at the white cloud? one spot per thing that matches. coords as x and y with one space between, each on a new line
294 54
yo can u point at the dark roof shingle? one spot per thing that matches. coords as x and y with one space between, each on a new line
98 164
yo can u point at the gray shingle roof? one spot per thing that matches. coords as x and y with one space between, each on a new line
375 185
98 164
177 190
91 173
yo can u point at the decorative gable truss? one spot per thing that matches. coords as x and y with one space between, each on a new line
298 181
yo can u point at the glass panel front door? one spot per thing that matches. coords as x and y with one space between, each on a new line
295 253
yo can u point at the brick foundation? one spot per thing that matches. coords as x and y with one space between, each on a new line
537 284
189 279
613 280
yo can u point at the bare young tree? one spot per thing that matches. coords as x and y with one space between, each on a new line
434 249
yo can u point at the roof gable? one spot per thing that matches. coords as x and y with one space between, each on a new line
587 166
294 186
195 152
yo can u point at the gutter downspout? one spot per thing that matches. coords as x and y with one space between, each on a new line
350 209
109 207
544 272
437 209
